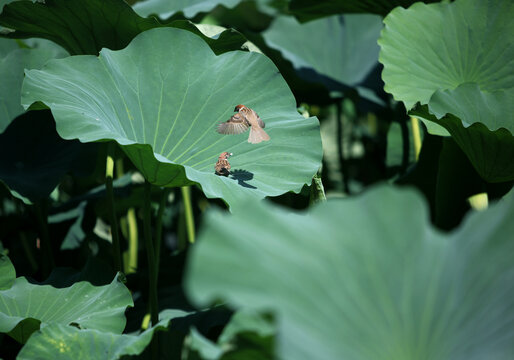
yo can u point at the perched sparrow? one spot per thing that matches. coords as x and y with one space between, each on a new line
241 121
222 166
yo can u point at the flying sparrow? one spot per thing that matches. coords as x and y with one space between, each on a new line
222 166
241 121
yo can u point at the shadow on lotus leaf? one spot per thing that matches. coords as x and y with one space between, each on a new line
241 176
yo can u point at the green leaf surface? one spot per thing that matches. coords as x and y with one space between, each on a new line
164 9
25 307
33 157
12 68
457 58
61 342
110 24
347 59
6 46
440 46
7 272
306 10
349 280
432 127
163 106
220 41
467 102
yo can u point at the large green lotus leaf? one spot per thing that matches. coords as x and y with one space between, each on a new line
7 45
440 46
349 56
365 278
61 342
25 307
465 70
33 157
306 10
163 105
164 8
7 272
12 68
111 24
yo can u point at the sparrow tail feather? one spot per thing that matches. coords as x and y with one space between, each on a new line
257 134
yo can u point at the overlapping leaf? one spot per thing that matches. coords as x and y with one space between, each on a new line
163 104
25 307
12 68
111 24
366 278
471 105
7 272
457 58
337 51
33 157
164 9
306 10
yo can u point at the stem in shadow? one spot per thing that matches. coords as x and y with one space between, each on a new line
109 170
152 264
158 225
48 262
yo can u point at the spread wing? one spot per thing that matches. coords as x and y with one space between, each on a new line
237 124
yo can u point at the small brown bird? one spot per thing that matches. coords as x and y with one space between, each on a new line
241 121
222 166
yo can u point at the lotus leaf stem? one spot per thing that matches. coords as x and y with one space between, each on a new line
416 136
188 210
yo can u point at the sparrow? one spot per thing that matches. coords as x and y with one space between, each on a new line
222 166
241 121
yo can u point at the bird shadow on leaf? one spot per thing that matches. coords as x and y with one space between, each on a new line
241 176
